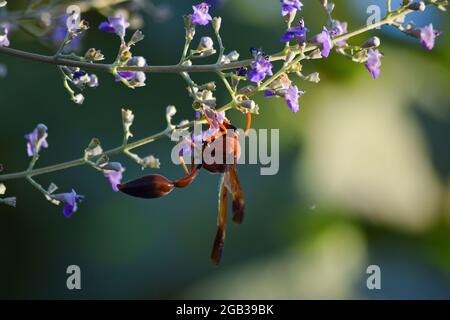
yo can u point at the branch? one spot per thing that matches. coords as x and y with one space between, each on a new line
171 69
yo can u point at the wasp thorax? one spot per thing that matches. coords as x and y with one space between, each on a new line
219 154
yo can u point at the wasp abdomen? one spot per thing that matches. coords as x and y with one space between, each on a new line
148 187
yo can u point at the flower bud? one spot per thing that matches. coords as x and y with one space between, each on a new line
126 55
206 43
313 77
247 89
41 131
2 188
127 121
187 19
250 106
137 62
136 37
150 162
170 112
78 98
127 117
93 81
316 54
148 187
417 6
94 55
233 56
84 25
330 7
94 148
3 3
373 42
52 188
138 79
217 23
211 86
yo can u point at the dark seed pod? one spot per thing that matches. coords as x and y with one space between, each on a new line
148 187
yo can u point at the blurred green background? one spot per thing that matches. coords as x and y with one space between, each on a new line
364 174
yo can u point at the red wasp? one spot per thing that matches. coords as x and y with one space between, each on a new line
156 186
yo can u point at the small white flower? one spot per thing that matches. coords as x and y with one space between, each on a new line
78 98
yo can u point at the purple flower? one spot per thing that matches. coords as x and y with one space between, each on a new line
261 68
113 172
36 140
187 144
115 178
70 201
373 62
291 97
427 36
4 41
283 87
339 28
290 6
324 39
59 33
201 14
116 25
126 75
134 78
298 33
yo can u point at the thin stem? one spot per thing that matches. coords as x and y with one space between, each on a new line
182 68
38 187
187 43
389 6
227 85
221 48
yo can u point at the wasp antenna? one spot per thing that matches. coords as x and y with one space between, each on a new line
249 123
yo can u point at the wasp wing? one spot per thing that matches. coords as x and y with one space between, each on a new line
219 241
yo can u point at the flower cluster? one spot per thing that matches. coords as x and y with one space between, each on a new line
125 58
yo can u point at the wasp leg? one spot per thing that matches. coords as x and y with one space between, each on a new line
187 180
249 123
183 163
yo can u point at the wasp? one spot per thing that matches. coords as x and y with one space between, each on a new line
225 141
